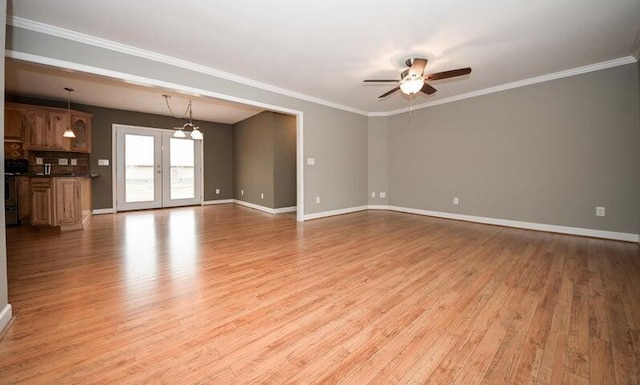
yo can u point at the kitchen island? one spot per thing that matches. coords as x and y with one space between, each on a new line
61 201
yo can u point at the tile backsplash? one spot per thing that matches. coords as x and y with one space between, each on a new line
53 157
15 150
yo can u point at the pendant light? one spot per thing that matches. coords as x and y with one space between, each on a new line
195 134
68 133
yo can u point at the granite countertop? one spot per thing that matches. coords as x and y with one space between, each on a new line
63 175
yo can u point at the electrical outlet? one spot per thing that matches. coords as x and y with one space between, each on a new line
373 195
103 162
600 211
317 199
456 201
383 194
311 161
63 161
261 195
39 161
74 162
217 191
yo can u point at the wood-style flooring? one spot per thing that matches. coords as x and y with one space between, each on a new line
228 295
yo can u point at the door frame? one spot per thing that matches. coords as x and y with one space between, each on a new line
114 162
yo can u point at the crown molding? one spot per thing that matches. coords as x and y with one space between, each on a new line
165 59
520 83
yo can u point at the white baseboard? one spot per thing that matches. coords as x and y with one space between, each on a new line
5 316
217 202
282 210
255 206
331 213
265 209
519 224
379 207
103 211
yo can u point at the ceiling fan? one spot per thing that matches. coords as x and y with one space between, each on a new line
414 80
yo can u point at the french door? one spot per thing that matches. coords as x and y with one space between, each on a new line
155 170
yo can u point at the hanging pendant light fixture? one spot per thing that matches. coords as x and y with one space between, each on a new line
196 134
68 133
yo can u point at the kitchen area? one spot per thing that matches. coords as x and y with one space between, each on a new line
47 170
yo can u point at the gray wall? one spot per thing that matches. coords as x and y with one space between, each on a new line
253 159
546 153
336 138
4 292
218 162
378 160
264 158
284 160
216 147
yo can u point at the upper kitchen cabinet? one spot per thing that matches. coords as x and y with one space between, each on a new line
13 123
81 124
43 129
36 129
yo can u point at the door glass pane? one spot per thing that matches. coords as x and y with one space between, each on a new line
139 173
182 169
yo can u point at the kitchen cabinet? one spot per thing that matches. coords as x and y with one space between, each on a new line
81 123
42 213
24 199
43 127
67 200
13 123
35 129
63 202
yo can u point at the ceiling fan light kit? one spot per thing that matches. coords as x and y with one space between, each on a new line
414 80
411 86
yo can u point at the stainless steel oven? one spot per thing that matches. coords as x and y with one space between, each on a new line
11 200
12 168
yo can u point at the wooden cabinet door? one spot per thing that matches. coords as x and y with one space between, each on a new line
58 123
36 129
67 196
13 124
42 213
24 199
81 126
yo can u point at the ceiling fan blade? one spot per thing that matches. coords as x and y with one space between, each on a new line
427 89
388 93
449 74
417 67
380 81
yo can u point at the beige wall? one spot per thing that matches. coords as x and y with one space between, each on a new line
546 153
264 160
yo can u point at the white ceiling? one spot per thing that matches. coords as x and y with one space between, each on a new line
325 49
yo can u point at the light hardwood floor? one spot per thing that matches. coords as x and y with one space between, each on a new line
228 295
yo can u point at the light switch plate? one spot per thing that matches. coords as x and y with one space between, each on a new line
74 162
63 161
383 194
311 161
39 161
103 162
